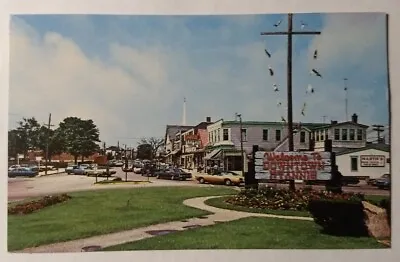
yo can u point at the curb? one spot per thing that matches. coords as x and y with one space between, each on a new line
60 172
123 182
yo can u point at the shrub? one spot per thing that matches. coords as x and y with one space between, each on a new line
29 207
117 179
339 216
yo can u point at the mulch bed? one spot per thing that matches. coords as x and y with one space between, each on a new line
32 206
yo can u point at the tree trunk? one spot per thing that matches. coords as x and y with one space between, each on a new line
83 159
76 159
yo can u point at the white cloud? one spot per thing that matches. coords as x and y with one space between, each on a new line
137 90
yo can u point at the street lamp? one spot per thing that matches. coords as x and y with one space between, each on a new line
241 140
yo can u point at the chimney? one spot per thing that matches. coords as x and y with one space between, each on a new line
354 118
208 119
333 122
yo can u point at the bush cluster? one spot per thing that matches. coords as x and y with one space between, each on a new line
283 199
32 206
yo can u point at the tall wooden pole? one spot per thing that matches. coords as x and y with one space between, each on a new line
289 83
47 144
290 34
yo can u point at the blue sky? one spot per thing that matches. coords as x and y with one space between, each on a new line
130 73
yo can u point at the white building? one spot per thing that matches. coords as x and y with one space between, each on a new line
371 161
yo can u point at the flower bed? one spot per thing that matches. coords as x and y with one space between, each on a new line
283 199
32 206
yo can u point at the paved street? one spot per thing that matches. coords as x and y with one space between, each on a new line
20 188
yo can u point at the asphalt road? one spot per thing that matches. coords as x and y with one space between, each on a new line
20 188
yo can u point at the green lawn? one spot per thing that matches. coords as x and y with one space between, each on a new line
220 202
105 211
251 233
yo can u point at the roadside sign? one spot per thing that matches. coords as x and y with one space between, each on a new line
293 165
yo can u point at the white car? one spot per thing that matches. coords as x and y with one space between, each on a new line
13 167
137 170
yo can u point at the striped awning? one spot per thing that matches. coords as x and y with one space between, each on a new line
213 154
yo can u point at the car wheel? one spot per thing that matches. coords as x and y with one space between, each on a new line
228 182
201 180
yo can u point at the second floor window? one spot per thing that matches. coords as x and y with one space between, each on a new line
278 135
244 134
352 134
344 134
265 134
337 134
302 137
359 134
225 134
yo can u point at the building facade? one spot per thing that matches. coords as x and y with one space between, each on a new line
371 161
225 140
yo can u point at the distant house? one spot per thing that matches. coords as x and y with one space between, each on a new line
194 142
344 135
372 161
173 142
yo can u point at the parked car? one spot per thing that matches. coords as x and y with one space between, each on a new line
350 180
80 170
383 182
23 171
225 177
173 174
14 167
69 169
99 171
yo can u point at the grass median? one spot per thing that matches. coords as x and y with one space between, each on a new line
251 233
105 211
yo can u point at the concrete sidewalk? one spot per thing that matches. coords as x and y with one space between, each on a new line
219 215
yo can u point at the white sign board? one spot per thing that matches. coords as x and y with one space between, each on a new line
20 156
372 161
293 165
38 158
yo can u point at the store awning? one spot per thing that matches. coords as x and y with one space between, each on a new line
213 154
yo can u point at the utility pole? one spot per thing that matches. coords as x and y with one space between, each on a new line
379 129
323 119
47 145
104 148
346 98
290 34
241 140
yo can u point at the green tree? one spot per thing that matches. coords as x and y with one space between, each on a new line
28 133
144 151
154 142
80 137
54 138
15 143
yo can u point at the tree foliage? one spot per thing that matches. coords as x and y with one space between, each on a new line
144 151
154 143
80 137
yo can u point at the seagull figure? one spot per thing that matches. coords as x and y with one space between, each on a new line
283 119
315 54
315 72
275 88
303 109
303 25
271 72
310 89
267 53
278 23
279 103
